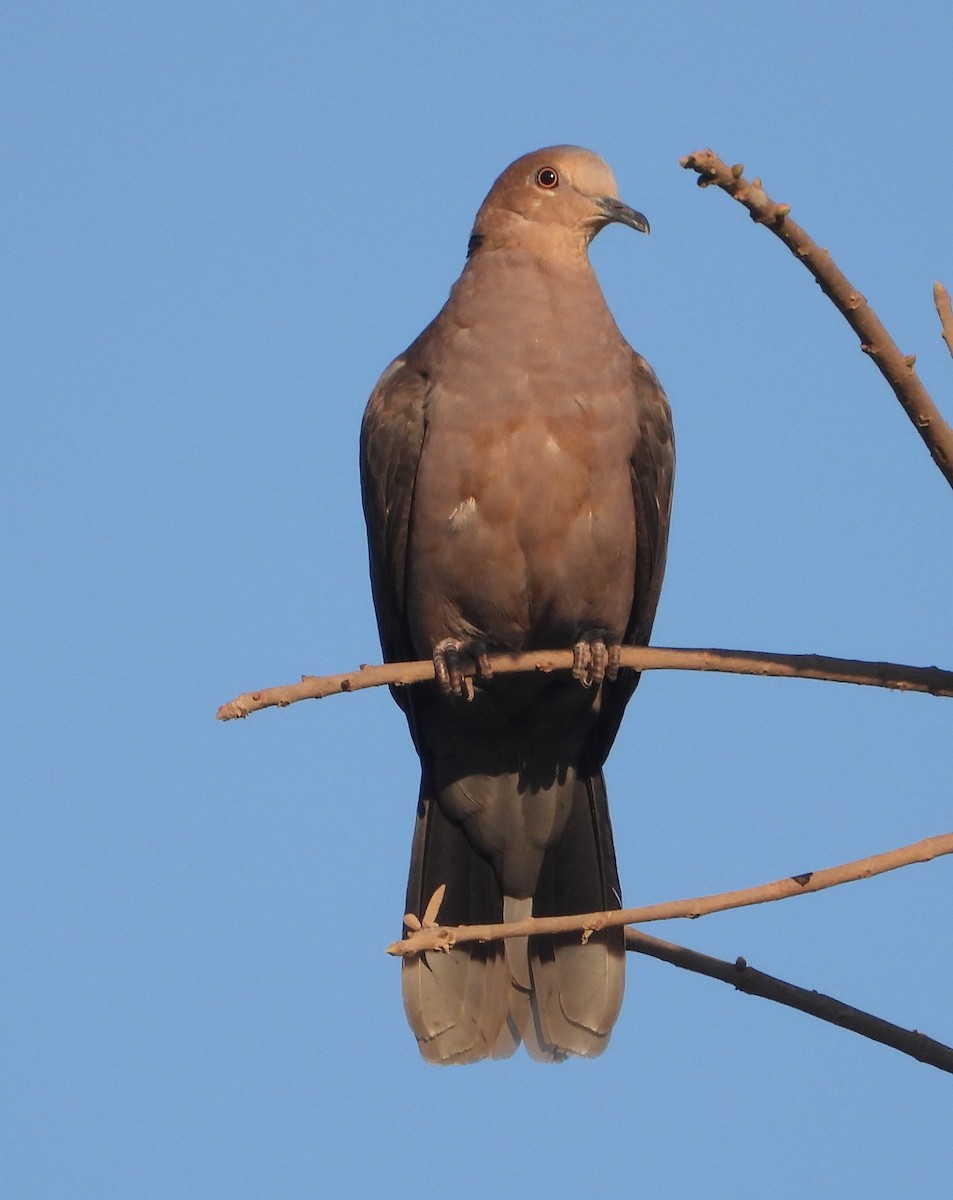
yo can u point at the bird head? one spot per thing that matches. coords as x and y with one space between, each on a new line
557 198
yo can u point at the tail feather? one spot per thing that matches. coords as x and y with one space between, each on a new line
524 1012
578 987
457 1003
577 992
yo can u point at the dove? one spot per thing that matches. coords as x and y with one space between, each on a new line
517 463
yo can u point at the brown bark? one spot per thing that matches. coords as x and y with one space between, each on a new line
934 680
437 937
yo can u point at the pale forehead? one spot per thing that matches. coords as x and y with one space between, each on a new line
587 172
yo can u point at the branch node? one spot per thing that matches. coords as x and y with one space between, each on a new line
429 919
944 309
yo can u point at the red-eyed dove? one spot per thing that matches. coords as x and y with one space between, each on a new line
516 465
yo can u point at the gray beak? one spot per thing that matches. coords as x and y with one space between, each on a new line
615 210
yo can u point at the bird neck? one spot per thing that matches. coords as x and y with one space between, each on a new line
535 277
509 229
511 296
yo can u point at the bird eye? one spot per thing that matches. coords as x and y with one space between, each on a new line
547 178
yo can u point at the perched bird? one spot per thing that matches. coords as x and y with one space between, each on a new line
516 468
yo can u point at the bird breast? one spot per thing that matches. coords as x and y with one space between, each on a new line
523 526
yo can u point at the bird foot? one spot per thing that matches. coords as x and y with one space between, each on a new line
453 658
595 657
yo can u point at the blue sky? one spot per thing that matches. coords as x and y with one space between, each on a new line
221 222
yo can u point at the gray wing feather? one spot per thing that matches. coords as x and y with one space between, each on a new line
392 437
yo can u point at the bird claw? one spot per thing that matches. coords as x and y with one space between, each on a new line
595 657
453 659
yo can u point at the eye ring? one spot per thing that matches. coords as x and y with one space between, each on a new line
547 178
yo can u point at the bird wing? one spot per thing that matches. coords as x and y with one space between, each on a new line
392 437
652 468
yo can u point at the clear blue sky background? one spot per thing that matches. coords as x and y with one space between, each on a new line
220 222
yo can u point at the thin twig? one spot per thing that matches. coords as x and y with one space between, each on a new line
896 367
934 680
815 1004
941 298
436 937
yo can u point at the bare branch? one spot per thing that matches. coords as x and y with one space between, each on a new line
934 680
941 298
444 937
815 1004
897 368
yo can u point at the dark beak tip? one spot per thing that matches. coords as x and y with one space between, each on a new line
615 210
635 220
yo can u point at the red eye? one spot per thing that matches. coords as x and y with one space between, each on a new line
547 178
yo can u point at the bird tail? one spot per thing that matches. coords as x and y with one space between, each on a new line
560 996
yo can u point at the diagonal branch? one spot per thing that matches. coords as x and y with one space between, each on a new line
641 658
897 368
815 1004
437 937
